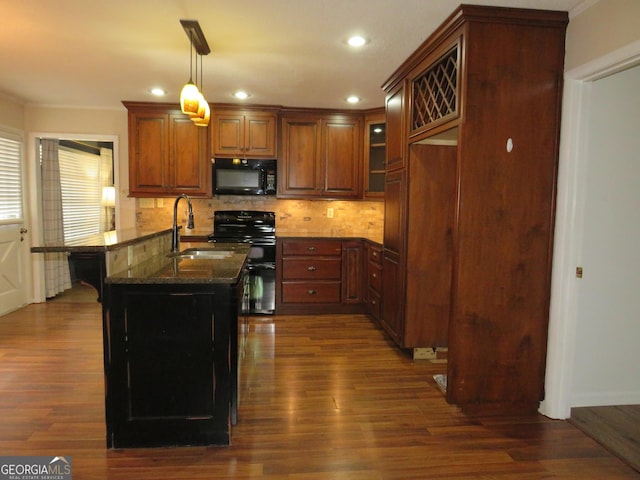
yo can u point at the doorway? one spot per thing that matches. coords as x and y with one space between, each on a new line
573 220
88 142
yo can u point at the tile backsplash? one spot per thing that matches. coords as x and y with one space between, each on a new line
350 218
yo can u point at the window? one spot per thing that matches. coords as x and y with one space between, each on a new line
81 189
10 178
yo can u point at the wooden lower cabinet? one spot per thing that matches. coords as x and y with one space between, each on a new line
392 310
319 275
373 284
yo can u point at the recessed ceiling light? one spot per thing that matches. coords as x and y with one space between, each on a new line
357 41
353 99
158 92
241 95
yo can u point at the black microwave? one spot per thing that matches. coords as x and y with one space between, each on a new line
244 176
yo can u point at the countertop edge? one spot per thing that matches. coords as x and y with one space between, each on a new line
96 248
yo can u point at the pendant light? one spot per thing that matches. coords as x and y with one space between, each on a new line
201 119
189 96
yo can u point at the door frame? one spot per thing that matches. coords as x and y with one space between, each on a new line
570 211
35 198
19 136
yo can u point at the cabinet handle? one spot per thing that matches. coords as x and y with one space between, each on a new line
311 268
311 249
311 292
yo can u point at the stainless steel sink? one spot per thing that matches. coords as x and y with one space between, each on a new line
202 254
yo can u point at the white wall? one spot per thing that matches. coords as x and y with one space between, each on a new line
603 37
90 122
607 354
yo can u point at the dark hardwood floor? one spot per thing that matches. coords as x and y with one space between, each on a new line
322 397
616 427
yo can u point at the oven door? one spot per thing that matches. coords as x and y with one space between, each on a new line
260 289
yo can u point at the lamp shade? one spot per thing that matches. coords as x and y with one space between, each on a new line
190 99
108 196
204 113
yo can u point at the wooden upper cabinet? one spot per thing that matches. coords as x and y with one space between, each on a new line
395 105
244 133
342 157
168 154
374 155
321 157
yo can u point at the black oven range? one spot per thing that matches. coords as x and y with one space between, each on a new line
259 229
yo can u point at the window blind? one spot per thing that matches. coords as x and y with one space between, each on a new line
81 191
10 178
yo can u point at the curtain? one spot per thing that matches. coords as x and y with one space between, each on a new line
106 180
57 277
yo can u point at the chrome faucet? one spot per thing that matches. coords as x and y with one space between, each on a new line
175 237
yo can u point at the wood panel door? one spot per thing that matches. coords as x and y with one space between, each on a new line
342 158
300 164
431 205
168 154
244 134
188 164
353 272
396 128
148 152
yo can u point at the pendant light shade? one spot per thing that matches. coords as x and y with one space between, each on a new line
190 99
204 114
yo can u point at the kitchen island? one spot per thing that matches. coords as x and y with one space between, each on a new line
171 348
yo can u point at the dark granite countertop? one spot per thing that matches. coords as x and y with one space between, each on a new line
165 269
375 238
102 242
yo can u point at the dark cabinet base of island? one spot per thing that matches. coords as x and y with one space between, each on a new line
170 356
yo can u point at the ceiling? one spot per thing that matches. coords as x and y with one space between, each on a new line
94 53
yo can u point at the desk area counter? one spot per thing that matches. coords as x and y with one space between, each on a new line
103 242
95 257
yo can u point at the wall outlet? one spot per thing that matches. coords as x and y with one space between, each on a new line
329 212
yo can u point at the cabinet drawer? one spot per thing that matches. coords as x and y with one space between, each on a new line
375 255
311 268
375 276
311 292
312 247
373 303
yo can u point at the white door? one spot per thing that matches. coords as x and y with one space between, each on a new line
14 247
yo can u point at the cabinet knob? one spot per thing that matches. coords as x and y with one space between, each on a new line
311 249
373 302
311 268
311 292
374 275
374 254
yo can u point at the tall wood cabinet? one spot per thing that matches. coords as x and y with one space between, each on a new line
321 156
168 154
473 121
